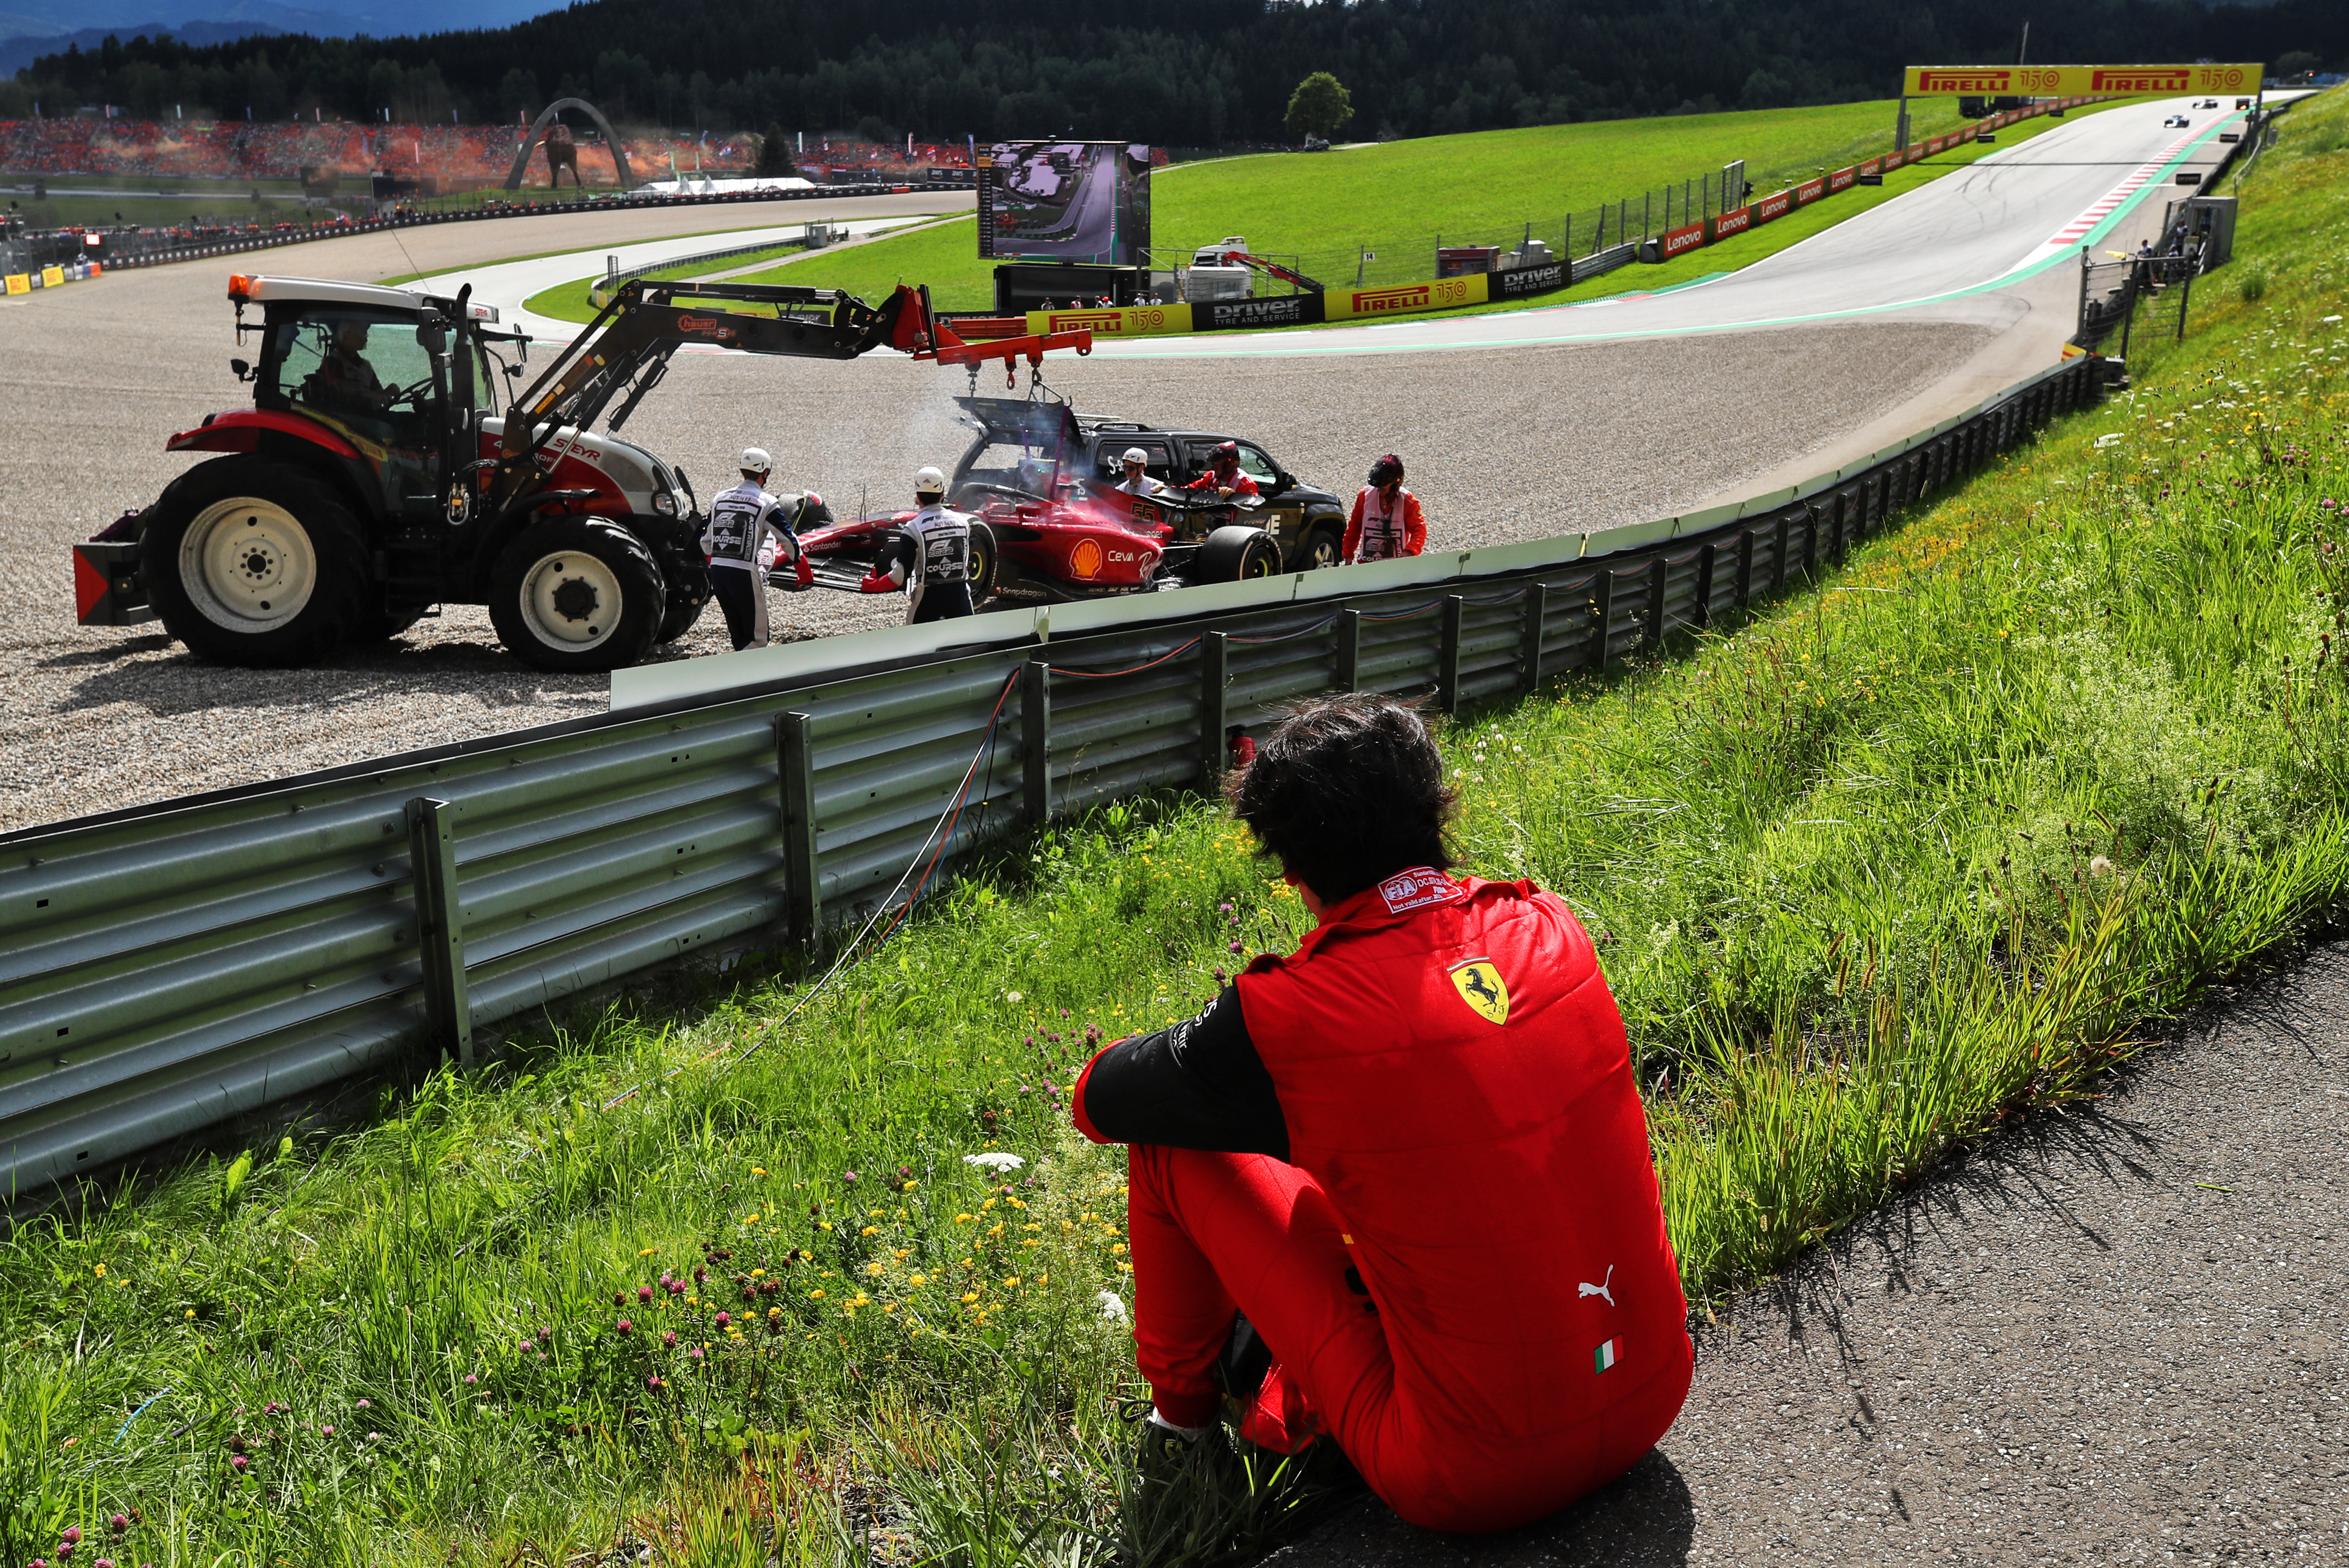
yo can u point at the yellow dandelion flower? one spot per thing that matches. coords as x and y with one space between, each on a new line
919 1280
99 1270
872 1268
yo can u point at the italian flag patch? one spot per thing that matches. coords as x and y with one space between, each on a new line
1607 1354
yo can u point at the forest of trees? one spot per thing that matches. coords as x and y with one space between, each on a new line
1204 73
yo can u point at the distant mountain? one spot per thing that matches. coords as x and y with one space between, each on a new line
218 20
18 52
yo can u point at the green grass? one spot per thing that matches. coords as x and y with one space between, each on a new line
1911 851
1396 198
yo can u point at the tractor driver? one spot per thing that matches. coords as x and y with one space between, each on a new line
1223 481
931 560
1394 1190
344 376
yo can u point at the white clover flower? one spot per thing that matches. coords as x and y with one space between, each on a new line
1010 996
999 1159
1113 1306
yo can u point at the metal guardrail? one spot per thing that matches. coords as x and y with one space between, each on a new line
167 968
422 220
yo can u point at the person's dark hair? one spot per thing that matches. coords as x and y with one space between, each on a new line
1346 790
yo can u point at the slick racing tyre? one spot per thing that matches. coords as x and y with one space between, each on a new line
984 560
576 595
1235 553
257 562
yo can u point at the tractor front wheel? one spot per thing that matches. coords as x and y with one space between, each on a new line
576 595
256 563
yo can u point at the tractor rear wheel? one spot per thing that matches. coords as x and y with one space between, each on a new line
576 595
256 563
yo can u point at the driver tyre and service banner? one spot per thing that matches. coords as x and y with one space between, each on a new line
255 563
577 594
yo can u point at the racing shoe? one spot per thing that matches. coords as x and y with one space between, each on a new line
1240 1370
1166 1449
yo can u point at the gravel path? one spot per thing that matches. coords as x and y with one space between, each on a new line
1507 446
2110 1337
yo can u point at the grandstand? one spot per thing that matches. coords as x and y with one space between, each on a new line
456 157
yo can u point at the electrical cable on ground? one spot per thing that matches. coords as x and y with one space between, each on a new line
941 835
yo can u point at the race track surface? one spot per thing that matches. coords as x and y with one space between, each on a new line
2114 1336
2008 218
1552 425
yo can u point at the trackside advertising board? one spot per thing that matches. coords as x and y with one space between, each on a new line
1775 205
1304 309
2052 81
1675 242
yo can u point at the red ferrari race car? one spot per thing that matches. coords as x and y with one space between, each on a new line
1041 485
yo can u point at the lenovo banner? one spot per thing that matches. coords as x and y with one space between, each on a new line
1673 242
1810 191
1843 179
1732 223
1776 205
2050 81
1232 314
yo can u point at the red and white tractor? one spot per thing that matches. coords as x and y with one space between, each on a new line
379 472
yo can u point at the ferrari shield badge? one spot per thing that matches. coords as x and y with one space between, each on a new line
1480 986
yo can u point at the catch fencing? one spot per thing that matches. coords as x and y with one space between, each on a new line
166 968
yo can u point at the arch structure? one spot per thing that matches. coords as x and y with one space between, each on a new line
546 117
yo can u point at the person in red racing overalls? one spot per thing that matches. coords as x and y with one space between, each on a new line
1223 481
1407 1165
1386 520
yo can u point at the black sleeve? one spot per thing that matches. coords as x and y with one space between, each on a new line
906 556
1198 1084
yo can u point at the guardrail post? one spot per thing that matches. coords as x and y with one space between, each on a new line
1810 544
1658 573
1447 655
1036 740
1778 573
440 928
795 775
1602 610
1705 558
1215 655
1529 650
1746 568
1349 651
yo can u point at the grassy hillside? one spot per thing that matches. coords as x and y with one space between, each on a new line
1916 848
1397 198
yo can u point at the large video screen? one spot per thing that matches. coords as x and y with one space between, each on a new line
1065 201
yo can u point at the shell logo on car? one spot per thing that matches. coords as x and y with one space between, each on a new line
1085 560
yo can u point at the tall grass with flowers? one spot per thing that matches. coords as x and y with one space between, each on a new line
1931 842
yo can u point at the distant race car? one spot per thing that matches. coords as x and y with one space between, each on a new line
1041 485
2177 120
2208 103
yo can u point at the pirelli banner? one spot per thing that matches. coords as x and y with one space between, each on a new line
2059 81
1306 309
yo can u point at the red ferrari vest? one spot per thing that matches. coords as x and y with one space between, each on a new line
1455 1076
